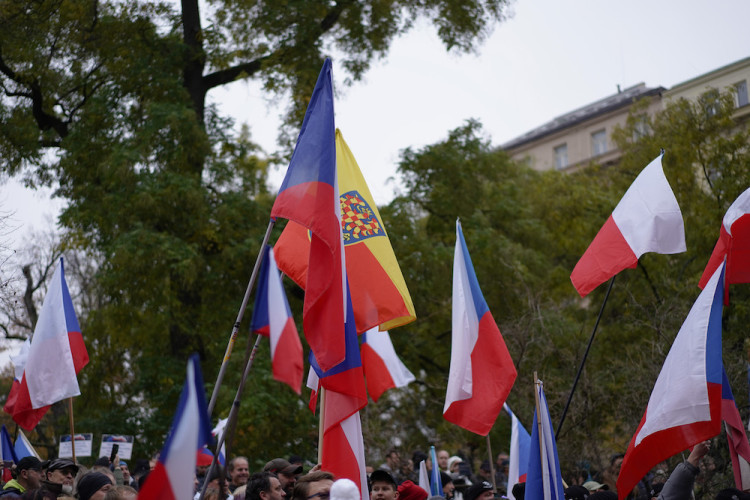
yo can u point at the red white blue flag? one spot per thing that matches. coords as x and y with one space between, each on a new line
172 478
482 371
544 477
273 318
520 442
739 448
56 354
733 246
685 405
647 219
383 368
309 196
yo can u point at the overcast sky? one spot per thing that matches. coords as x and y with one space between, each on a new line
548 58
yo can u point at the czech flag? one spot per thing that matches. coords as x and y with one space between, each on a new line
482 371
733 246
378 289
383 368
685 406
309 196
544 478
739 448
647 219
172 478
273 318
520 442
56 355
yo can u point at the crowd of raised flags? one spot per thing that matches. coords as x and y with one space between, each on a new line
336 248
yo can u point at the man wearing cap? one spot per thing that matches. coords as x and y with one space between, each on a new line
286 472
59 476
28 476
382 486
481 490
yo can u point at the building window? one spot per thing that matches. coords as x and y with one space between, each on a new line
599 142
561 156
640 128
740 93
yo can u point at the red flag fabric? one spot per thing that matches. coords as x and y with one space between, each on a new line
383 368
647 219
739 448
733 245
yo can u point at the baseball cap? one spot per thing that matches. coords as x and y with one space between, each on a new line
283 466
62 463
477 489
380 475
27 463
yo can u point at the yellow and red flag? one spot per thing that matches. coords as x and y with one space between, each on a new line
379 294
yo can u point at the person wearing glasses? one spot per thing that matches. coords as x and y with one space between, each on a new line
314 486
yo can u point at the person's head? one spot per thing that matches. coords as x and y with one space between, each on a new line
453 463
264 486
732 494
217 479
29 473
94 486
382 486
410 491
442 459
482 490
484 471
313 486
125 472
239 470
503 461
61 471
576 492
393 459
285 472
121 493
447 481
345 489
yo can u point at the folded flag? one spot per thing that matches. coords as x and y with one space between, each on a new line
424 478
481 371
378 290
383 368
520 442
733 245
23 447
273 318
436 484
544 478
309 196
172 478
344 448
685 404
56 355
739 448
647 219
8 454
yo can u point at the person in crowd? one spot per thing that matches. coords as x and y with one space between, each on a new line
593 486
121 493
127 479
239 471
94 486
442 460
59 475
410 491
240 493
481 490
449 489
461 481
313 486
609 476
217 480
383 486
112 469
392 464
484 473
264 486
501 472
285 472
296 460
679 486
576 492
28 476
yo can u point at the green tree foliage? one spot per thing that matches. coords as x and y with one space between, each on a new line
107 101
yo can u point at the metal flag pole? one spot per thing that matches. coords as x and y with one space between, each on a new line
585 355
72 431
236 328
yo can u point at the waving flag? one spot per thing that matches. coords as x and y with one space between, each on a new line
544 478
482 371
733 244
647 219
23 447
739 448
56 355
344 448
520 443
383 368
216 433
685 405
172 478
8 454
377 286
424 478
309 196
272 317
436 485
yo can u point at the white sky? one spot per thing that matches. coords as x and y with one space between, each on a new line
549 58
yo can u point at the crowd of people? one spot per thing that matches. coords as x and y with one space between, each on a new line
282 479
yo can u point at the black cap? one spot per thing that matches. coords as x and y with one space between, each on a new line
27 463
279 465
477 489
62 463
382 476
576 492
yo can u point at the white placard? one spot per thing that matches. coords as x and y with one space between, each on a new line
83 445
125 443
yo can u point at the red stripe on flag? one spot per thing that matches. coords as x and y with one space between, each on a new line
287 359
157 485
377 375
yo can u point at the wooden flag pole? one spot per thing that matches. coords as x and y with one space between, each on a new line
321 417
236 328
585 355
72 431
492 465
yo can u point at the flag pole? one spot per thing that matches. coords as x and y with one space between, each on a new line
72 432
492 466
585 355
234 411
236 328
321 431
